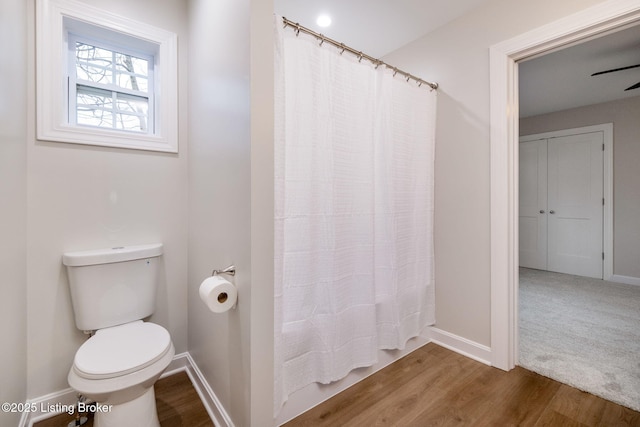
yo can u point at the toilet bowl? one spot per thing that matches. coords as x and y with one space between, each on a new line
112 290
117 368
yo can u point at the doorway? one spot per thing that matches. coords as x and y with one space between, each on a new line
572 326
595 21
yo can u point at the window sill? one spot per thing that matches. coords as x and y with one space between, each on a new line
106 138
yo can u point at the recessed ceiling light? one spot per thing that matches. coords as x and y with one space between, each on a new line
323 21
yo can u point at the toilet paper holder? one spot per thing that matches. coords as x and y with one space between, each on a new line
231 271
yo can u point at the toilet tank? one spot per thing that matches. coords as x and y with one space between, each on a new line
113 286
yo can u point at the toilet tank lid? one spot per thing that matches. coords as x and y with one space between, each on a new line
109 255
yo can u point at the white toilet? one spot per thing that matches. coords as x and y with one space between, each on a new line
112 290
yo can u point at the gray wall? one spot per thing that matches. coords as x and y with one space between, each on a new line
13 206
220 194
231 199
457 56
624 115
83 197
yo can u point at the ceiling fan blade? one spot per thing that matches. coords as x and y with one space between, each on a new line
635 86
615 69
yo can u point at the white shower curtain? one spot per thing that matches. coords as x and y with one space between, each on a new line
353 212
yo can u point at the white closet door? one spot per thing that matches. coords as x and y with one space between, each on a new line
574 200
533 204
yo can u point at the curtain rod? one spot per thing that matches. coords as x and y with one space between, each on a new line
359 54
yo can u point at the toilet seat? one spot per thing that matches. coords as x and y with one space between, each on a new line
121 350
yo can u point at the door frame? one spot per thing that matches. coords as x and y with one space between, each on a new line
503 67
607 183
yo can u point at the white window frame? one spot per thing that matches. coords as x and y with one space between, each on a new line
60 20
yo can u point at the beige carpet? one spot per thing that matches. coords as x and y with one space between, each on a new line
582 332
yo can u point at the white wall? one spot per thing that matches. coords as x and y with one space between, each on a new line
626 173
456 56
83 197
13 206
219 188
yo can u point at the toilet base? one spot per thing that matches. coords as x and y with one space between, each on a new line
139 412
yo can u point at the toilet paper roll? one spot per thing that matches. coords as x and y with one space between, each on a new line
218 294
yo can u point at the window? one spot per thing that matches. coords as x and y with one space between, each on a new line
104 79
110 87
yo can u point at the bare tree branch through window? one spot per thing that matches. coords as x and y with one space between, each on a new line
112 89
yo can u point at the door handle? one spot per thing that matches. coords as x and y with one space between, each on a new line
552 212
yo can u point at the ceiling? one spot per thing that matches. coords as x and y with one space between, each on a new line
375 27
562 79
553 82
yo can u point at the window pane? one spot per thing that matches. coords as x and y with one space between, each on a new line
136 83
93 98
132 123
132 104
93 63
93 74
131 64
93 54
94 107
98 118
132 72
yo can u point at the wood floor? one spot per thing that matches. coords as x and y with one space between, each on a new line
177 402
434 386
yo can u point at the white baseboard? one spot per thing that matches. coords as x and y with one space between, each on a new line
468 348
209 399
65 399
62 400
625 279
